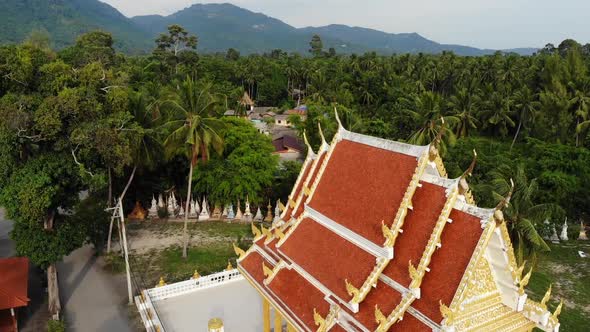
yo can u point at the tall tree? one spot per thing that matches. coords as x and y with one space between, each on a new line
316 46
170 46
193 132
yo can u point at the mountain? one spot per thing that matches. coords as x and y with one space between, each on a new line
218 26
223 26
66 19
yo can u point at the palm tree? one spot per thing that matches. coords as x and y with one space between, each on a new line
464 104
497 112
523 212
581 104
527 106
426 110
143 135
193 131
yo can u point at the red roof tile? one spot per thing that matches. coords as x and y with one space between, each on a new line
410 323
14 278
300 296
328 257
337 328
253 265
428 202
363 185
449 263
383 295
309 182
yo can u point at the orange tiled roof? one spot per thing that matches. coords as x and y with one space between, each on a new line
339 236
334 259
363 185
14 276
428 203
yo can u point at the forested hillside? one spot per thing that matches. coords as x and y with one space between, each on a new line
64 20
221 26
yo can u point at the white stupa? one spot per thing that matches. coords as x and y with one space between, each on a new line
258 217
563 235
153 211
204 215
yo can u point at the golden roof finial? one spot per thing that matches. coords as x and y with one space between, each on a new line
379 316
518 272
265 232
546 297
557 311
435 145
351 290
321 133
267 271
524 282
448 314
255 231
318 320
161 282
279 233
229 266
309 148
239 251
468 172
281 206
387 234
498 215
196 275
340 126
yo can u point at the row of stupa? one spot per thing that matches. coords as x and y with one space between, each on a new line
203 212
554 238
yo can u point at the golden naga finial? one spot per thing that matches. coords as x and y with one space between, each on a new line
196 275
469 171
267 271
306 190
448 314
239 251
161 282
309 148
321 133
291 203
255 231
524 281
414 274
351 290
546 297
498 215
281 206
379 316
435 145
387 234
265 232
518 272
557 311
229 266
319 321
279 233
338 118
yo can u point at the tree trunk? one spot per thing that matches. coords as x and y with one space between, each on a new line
52 285
188 199
122 196
53 292
110 195
516 135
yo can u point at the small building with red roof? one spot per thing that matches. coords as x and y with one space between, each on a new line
14 277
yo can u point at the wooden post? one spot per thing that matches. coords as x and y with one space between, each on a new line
278 322
265 316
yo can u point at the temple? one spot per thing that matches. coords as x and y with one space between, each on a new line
376 237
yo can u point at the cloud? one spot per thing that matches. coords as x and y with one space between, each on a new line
482 23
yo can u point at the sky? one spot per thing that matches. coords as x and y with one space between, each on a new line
494 24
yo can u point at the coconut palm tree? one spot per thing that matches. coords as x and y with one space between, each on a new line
526 106
193 131
464 104
143 134
523 213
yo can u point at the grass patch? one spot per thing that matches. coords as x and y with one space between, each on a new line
569 274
